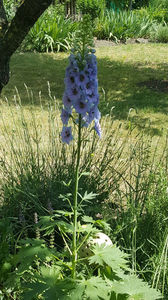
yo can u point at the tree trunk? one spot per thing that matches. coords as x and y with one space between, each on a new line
4 65
11 38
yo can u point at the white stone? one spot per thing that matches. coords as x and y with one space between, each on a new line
100 238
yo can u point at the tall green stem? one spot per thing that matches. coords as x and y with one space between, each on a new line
75 202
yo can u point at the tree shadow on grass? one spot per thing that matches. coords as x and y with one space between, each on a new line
40 73
121 84
124 87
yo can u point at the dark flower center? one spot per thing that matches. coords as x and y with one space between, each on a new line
88 85
81 77
72 79
92 95
75 91
82 105
67 133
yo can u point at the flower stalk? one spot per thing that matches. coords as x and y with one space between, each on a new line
75 202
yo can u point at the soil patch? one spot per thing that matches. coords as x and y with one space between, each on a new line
156 85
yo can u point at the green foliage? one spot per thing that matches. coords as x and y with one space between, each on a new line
91 7
159 33
126 4
137 212
42 271
83 40
141 220
6 244
135 288
10 8
154 4
110 256
52 32
122 25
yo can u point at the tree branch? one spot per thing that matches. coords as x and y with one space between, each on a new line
26 16
11 37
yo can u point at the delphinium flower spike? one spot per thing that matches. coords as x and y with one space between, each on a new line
81 90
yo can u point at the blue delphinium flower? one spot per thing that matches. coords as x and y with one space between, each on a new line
94 113
81 79
91 86
81 106
65 115
67 101
66 135
81 93
73 93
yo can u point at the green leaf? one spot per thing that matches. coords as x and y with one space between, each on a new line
33 289
64 226
103 224
84 174
48 224
88 197
64 213
87 219
60 290
135 288
31 250
66 184
49 284
111 256
87 228
92 289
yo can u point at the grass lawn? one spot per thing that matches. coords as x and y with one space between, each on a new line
126 74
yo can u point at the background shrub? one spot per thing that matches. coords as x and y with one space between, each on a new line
159 33
91 7
122 25
52 32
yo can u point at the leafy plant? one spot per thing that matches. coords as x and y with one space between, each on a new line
159 33
122 25
52 32
47 272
